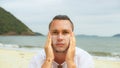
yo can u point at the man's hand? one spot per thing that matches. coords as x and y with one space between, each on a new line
49 53
71 53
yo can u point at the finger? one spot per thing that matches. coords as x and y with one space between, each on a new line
49 38
48 41
73 39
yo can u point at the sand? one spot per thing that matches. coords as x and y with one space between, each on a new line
11 58
15 58
100 63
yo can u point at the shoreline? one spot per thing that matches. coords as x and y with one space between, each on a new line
20 58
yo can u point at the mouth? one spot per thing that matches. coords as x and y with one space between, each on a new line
60 44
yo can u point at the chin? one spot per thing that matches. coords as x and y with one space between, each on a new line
61 50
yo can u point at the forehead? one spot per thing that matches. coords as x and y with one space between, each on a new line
61 25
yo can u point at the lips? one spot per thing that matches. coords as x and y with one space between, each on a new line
60 44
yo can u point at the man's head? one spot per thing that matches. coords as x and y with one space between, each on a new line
62 17
61 28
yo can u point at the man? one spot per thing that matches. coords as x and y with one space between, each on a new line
60 49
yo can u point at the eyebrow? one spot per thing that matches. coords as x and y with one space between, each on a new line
62 30
65 30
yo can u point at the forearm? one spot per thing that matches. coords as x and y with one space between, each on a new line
71 64
47 63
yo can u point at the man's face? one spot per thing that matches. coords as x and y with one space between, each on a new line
60 34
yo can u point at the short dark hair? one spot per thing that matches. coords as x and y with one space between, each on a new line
62 17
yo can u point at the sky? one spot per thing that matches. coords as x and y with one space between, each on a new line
90 17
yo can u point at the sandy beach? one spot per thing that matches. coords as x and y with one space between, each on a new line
12 58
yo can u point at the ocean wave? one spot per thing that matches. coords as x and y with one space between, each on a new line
106 55
107 58
9 45
18 46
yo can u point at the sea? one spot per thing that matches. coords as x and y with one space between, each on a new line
99 47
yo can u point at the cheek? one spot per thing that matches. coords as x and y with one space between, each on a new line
54 39
67 38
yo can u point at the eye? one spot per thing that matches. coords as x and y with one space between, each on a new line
54 32
65 32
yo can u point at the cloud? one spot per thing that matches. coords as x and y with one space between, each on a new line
86 14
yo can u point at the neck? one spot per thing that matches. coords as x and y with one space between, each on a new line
59 57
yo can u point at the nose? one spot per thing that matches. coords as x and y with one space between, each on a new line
60 37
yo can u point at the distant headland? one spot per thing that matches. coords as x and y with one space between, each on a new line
116 35
10 25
